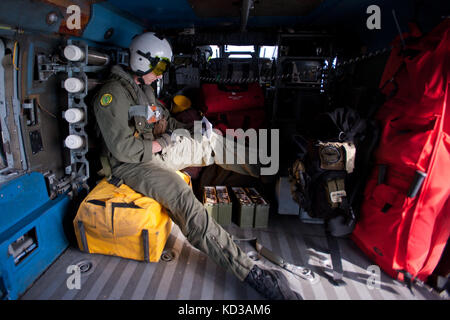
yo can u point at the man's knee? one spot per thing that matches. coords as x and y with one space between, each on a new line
197 226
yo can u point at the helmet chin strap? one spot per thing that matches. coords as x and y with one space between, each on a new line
137 76
141 80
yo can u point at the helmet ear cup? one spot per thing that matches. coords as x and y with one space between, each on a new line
146 47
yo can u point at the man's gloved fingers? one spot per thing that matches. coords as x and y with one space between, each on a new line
160 127
168 138
163 125
161 142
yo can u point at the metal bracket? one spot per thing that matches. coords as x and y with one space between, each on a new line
48 68
122 57
56 186
299 271
29 106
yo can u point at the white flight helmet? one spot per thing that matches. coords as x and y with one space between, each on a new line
149 53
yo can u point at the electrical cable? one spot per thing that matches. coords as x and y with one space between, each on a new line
14 56
45 110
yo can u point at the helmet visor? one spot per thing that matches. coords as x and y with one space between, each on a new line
160 66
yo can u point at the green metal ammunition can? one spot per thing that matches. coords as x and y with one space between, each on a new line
244 209
210 202
262 208
225 206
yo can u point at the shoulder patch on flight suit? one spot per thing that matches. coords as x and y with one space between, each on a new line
106 99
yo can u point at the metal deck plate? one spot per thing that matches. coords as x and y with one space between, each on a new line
191 275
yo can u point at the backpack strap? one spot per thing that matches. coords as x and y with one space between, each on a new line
336 261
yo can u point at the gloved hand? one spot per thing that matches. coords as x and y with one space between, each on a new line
160 127
164 140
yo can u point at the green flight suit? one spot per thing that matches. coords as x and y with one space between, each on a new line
129 142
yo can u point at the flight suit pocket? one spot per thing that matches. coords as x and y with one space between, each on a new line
140 123
143 128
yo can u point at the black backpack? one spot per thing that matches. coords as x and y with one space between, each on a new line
329 172
321 175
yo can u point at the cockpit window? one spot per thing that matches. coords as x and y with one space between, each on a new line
269 52
240 56
215 51
240 49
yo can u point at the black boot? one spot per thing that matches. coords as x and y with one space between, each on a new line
272 284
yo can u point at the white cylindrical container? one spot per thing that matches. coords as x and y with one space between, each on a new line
74 142
73 85
73 53
74 115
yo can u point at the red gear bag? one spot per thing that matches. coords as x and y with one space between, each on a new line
405 234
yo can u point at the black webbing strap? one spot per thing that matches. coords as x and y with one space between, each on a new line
408 279
83 236
146 247
382 169
335 253
348 209
115 181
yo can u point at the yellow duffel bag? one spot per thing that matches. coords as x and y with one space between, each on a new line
121 222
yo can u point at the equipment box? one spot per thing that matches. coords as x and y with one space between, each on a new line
262 208
210 202
244 208
225 206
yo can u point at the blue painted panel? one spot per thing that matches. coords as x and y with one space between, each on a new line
30 15
102 19
26 206
19 197
51 243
